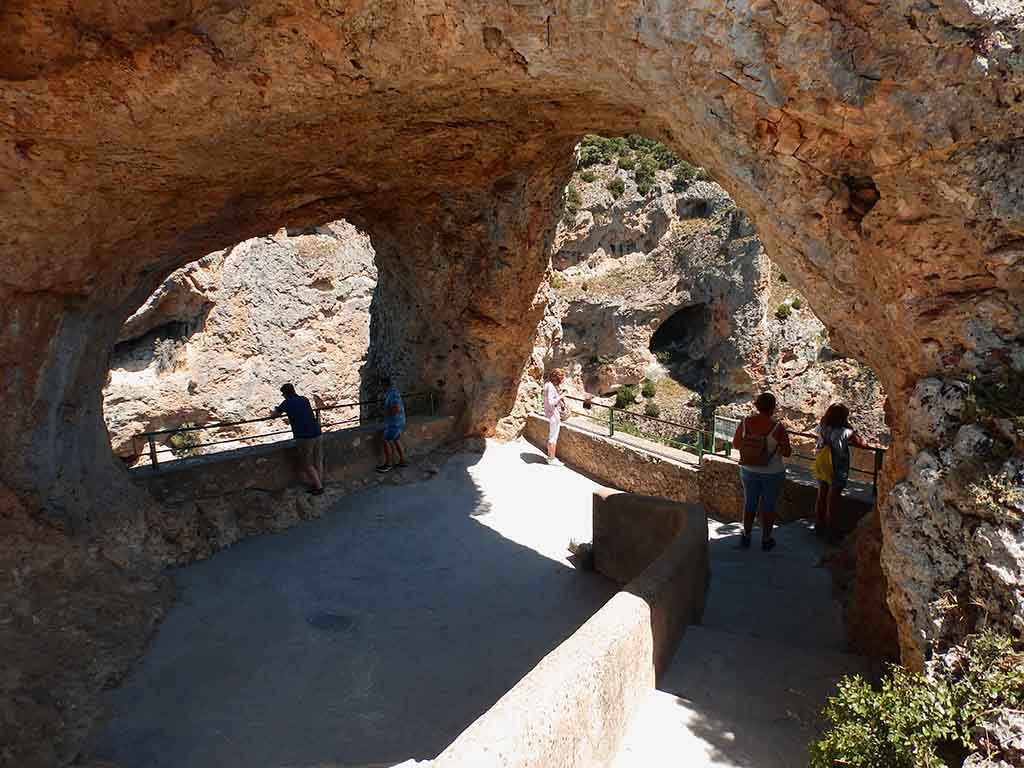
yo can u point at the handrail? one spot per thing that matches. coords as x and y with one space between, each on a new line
153 451
879 448
702 435
218 424
631 413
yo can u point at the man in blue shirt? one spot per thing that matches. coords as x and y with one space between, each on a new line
394 423
306 431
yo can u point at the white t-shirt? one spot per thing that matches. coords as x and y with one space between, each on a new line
551 400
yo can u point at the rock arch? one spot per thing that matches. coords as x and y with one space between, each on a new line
877 148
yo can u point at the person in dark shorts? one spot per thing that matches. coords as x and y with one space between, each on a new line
306 431
394 415
836 434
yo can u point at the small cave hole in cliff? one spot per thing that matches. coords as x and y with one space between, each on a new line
680 345
219 336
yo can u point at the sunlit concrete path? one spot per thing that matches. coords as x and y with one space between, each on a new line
375 634
746 687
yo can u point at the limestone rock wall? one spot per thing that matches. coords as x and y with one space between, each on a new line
683 259
219 337
876 147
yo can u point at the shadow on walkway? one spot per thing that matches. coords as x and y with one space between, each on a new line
533 458
374 634
746 687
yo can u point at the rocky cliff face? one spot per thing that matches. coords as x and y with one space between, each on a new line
219 337
876 147
674 286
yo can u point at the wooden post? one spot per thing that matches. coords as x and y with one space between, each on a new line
611 422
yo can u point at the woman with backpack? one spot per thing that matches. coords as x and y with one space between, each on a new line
762 442
835 435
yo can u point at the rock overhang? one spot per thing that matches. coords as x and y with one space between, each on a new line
139 138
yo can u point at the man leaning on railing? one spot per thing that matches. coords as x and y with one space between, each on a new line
306 431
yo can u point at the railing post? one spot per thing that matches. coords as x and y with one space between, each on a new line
611 422
874 475
433 405
152 451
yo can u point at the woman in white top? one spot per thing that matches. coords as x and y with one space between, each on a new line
553 403
762 442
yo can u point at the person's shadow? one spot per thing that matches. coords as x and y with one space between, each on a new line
532 458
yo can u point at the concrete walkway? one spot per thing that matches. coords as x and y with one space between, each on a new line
375 634
745 689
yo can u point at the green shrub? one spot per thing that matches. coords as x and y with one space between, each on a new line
571 208
686 173
663 356
625 396
616 186
588 176
648 389
797 302
998 395
652 410
595 150
627 163
665 157
911 722
642 188
783 311
184 443
558 281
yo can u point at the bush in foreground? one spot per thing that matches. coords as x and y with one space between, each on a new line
914 722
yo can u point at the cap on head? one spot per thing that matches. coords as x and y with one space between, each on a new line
385 379
765 402
287 390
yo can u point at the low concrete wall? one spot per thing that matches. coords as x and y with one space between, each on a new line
210 502
715 483
617 465
574 708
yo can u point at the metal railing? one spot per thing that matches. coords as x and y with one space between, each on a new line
690 438
428 406
864 462
694 439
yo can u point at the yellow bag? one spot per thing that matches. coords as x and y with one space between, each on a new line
823 465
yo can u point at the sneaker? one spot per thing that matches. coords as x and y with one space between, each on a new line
402 464
555 463
768 544
744 541
316 491
383 468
